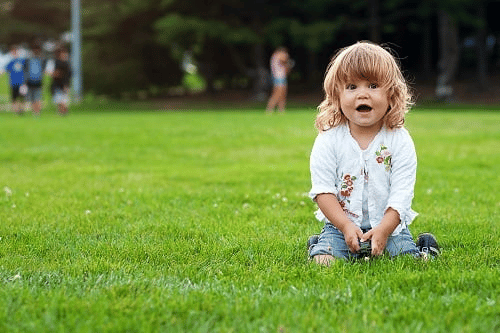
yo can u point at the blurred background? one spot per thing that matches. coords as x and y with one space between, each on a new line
151 49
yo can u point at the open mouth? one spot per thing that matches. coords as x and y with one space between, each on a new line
364 108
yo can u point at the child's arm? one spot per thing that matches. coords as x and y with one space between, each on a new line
403 177
330 207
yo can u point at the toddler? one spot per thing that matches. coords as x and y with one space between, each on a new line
363 162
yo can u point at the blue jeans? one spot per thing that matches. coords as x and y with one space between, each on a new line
331 241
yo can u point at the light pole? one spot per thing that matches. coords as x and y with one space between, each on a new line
76 59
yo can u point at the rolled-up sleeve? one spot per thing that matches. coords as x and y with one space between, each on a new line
403 177
323 167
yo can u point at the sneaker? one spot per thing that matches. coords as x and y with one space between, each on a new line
427 245
312 240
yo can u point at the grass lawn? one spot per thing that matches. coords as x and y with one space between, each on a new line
197 222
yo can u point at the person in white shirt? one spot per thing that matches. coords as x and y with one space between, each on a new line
363 162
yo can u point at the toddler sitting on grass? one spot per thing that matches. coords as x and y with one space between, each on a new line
363 162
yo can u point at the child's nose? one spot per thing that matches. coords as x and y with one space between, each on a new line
363 93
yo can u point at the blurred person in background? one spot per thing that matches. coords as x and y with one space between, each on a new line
60 80
34 70
281 64
15 68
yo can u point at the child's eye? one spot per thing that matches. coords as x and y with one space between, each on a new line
373 86
350 86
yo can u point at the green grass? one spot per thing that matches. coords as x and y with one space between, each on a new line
197 222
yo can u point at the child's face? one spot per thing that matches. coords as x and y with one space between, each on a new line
364 104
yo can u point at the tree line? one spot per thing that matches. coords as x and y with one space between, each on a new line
136 44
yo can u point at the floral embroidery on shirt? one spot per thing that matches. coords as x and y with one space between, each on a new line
346 188
384 156
347 185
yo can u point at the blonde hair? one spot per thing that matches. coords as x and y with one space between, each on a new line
364 60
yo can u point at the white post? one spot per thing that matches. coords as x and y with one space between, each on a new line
76 62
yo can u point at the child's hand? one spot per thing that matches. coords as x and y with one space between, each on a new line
379 241
352 234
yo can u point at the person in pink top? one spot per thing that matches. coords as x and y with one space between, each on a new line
280 67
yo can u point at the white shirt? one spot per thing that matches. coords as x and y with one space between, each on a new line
278 69
339 166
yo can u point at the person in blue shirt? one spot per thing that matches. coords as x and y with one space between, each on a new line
34 70
15 68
